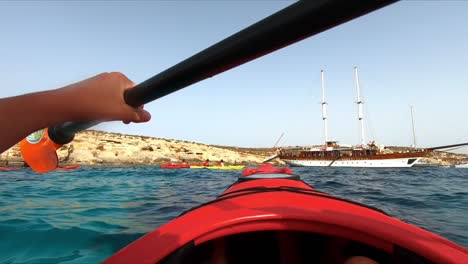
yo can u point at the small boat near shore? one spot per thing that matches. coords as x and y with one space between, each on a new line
227 167
67 167
464 166
175 166
9 168
188 166
425 165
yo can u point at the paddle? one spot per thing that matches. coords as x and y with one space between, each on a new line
39 151
294 23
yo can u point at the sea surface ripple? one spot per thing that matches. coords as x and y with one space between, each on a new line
86 215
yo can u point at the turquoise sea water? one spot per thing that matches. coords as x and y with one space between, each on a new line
85 215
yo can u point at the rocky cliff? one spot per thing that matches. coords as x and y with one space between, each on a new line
101 148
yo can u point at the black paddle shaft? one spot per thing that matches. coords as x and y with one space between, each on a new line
294 23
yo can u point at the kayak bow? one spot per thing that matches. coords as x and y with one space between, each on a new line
271 216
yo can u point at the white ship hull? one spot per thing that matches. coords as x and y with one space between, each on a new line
371 163
465 166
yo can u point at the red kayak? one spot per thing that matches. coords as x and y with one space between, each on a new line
9 168
175 166
68 167
271 216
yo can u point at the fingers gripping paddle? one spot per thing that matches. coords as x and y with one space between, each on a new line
294 23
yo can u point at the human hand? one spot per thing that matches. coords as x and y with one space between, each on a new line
101 98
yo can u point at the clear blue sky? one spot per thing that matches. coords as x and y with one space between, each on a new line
410 53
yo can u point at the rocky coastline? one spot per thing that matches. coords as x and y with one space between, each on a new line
97 148
94 148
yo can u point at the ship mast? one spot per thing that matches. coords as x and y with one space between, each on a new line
360 105
412 124
324 108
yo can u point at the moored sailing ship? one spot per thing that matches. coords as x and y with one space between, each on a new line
367 156
362 155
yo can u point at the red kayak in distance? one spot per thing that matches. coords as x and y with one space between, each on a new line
9 168
68 167
269 215
175 166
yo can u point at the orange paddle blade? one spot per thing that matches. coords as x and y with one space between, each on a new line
39 151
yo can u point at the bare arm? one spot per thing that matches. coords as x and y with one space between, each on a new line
96 98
